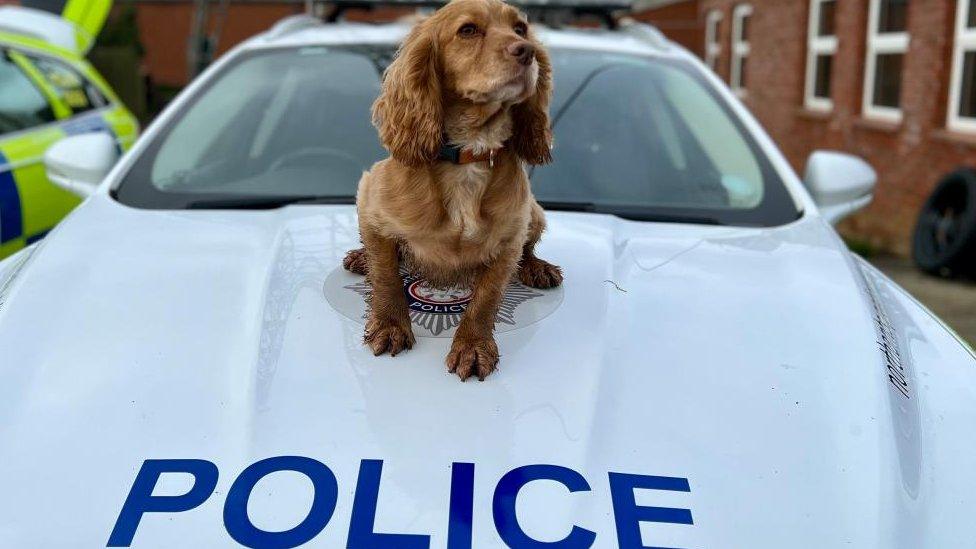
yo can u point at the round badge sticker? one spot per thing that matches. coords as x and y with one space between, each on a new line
436 312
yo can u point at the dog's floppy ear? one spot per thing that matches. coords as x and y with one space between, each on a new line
408 112
532 137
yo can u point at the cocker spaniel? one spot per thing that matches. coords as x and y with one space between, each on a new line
462 111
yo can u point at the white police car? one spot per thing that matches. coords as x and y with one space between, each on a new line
181 361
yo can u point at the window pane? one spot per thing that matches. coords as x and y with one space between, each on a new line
887 80
648 134
242 134
73 89
971 20
744 29
893 15
821 85
825 24
742 72
21 104
967 97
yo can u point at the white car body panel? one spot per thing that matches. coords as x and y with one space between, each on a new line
745 360
749 361
41 25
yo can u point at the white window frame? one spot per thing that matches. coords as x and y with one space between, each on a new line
816 46
713 47
965 43
740 48
879 43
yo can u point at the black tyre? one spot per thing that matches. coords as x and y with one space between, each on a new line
945 234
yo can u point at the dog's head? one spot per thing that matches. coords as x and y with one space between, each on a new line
480 51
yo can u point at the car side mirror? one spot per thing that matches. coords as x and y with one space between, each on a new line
839 183
80 162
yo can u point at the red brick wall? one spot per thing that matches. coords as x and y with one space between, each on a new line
164 29
680 22
910 157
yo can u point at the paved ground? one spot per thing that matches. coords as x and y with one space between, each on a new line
954 301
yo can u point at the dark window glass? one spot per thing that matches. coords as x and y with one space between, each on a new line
743 64
74 90
642 134
893 15
282 122
684 150
21 104
744 28
967 97
635 136
821 87
971 19
887 80
825 24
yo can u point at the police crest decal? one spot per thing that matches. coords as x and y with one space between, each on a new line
436 312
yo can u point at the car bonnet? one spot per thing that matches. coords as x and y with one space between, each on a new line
696 385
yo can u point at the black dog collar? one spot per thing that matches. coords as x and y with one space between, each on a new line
457 155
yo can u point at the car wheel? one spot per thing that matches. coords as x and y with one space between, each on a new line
945 234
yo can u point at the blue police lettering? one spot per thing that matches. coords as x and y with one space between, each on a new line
628 515
503 506
461 506
325 496
141 500
362 532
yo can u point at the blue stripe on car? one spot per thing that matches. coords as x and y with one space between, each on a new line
84 124
11 218
88 124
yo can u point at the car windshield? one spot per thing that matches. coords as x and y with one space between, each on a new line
636 136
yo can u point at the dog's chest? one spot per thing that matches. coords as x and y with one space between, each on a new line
462 201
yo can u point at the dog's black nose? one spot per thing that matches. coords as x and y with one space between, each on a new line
523 51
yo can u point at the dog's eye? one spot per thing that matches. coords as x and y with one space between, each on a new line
521 29
467 30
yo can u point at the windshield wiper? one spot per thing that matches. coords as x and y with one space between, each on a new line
265 202
556 205
636 213
690 219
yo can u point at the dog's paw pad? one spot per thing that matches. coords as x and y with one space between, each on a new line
388 337
477 357
538 273
355 261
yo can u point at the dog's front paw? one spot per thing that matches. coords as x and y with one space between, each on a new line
355 261
388 336
470 357
538 273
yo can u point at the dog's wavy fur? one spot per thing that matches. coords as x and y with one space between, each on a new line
470 224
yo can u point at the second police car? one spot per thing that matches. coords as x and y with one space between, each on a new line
49 91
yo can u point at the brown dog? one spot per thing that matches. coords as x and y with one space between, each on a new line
470 80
